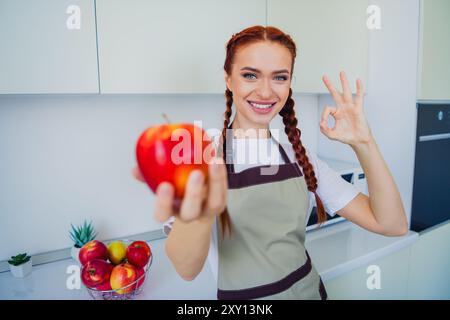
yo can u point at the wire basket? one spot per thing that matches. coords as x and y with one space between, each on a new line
135 287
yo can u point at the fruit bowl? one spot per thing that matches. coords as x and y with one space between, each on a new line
127 292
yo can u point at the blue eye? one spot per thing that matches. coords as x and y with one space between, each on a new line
283 78
248 74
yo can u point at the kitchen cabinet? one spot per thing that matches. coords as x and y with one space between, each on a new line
434 50
393 279
48 46
430 265
419 271
330 36
170 46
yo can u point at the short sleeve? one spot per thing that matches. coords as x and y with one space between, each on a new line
333 190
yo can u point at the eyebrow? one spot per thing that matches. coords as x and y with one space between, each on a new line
258 71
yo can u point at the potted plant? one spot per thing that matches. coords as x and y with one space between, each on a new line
20 265
80 236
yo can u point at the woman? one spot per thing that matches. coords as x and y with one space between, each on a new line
260 252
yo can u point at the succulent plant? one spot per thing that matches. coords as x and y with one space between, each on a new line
19 259
82 234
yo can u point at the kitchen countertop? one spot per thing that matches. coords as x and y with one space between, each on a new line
48 281
344 246
334 250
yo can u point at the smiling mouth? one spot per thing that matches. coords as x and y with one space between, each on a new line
261 106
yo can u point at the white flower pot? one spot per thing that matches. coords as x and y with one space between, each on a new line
74 252
21 271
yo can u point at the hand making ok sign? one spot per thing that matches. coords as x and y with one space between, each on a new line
350 126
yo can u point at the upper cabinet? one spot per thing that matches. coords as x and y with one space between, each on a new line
173 46
330 36
434 53
48 46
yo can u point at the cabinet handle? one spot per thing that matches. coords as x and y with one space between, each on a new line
433 137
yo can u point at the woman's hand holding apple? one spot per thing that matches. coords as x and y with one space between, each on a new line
200 199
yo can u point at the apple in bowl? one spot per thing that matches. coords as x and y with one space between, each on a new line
138 253
122 277
93 250
96 272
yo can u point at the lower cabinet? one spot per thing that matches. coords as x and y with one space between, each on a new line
420 271
430 265
385 278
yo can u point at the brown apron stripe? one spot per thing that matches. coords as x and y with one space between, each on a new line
253 176
322 291
267 289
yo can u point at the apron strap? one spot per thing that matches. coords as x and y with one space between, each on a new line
283 153
228 156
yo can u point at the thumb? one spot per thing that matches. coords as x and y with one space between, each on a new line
328 132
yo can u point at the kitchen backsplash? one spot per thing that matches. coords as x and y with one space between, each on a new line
66 158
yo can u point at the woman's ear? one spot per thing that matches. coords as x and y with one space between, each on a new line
227 80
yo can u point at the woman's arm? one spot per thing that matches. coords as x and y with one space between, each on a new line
188 242
382 212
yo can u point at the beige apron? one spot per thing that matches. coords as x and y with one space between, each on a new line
265 257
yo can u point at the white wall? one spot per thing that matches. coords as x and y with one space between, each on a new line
390 102
64 158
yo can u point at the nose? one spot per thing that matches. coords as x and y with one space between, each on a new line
264 90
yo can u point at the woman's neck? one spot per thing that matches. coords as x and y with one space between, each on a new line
242 130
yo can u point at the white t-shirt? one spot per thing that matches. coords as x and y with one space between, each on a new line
333 190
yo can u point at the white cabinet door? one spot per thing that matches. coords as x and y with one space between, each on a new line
330 36
434 65
429 276
40 54
362 283
172 46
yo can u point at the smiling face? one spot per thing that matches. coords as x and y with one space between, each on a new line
260 82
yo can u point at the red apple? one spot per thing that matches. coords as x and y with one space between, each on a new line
96 272
122 276
140 272
93 250
105 286
138 253
170 152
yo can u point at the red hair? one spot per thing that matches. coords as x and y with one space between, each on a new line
249 36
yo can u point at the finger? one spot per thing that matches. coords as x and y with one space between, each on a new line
164 201
137 174
329 132
345 87
217 187
324 121
359 91
326 113
191 206
337 97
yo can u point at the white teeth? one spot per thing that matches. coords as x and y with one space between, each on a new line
261 106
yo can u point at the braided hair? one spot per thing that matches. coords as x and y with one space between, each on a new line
252 35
